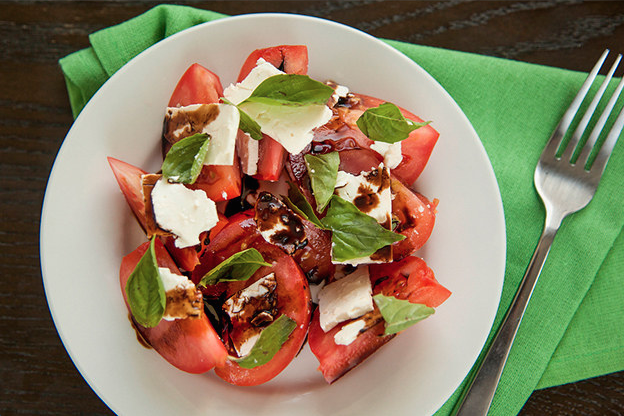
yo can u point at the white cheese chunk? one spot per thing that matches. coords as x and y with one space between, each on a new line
349 187
222 132
248 151
245 348
235 304
239 92
291 126
222 129
177 283
349 332
347 298
184 212
172 281
391 152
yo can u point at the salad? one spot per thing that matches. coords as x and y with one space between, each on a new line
283 213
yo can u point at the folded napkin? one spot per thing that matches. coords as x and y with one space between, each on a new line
573 326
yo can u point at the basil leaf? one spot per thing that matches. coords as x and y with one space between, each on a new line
146 294
355 234
268 344
291 90
298 203
400 314
386 124
323 171
239 266
246 123
186 158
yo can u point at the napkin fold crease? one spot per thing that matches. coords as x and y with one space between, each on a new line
574 326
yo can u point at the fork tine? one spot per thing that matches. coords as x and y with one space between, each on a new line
580 129
593 137
555 140
605 152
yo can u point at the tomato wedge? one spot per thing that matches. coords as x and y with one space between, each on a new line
293 294
409 279
198 85
292 59
416 216
416 149
336 360
129 180
190 344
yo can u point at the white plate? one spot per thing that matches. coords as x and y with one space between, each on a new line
86 228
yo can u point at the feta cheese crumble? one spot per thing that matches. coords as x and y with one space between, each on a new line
391 153
349 332
183 299
290 126
184 212
219 121
347 298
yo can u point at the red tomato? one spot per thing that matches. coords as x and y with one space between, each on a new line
292 59
190 344
416 217
271 157
409 279
197 85
129 180
335 360
220 182
416 149
292 291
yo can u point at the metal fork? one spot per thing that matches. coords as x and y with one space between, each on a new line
565 185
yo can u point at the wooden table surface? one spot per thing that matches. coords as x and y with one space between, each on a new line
36 374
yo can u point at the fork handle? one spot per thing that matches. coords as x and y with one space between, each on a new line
477 399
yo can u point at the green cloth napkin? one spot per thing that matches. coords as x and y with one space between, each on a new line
573 326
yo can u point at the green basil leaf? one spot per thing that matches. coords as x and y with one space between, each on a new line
239 266
386 124
246 123
323 171
269 343
400 314
146 294
186 158
355 234
298 203
291 90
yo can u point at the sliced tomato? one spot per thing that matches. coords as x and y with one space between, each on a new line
220 182
129 179
271 156
292 59
293 294
197 85
416 149
416 216
335 360
190 344
359 160
409 279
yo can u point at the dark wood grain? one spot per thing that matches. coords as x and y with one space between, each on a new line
36 374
